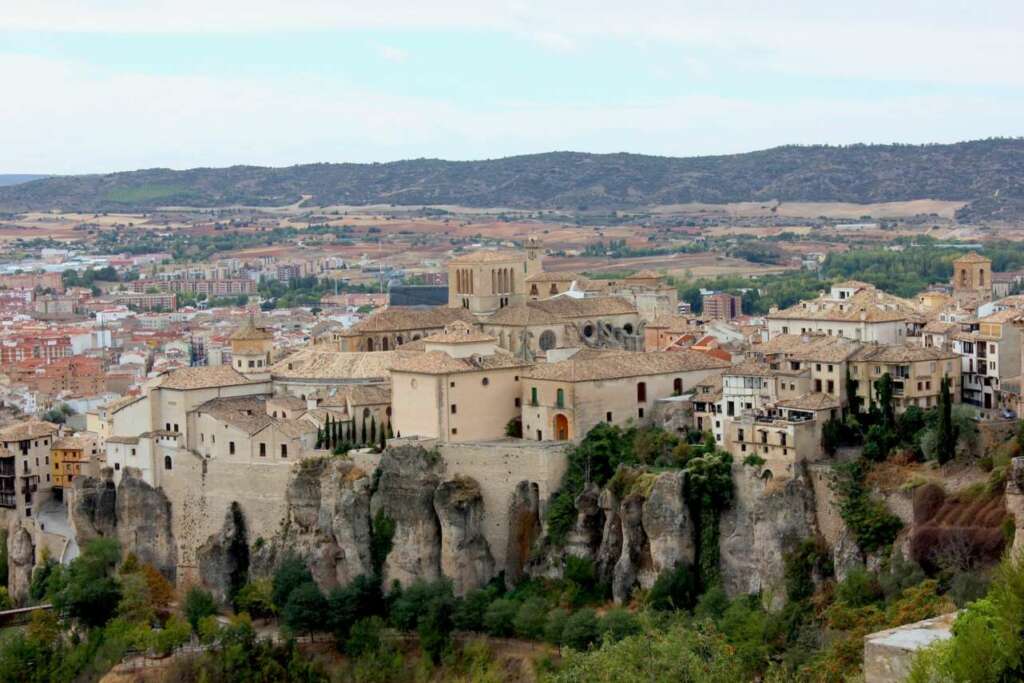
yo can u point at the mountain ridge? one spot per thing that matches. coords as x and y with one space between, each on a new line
986 174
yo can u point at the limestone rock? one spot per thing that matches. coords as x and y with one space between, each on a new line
465 555
224 558
635 557
20 562
143 517
668 525
1015 502
92 507
585 538
611 537
408 476
767 519
344 515
846 556
524 528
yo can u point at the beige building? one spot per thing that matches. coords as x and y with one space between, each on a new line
239 429
990 358
25 464
565 400
854 310
463 388
916 372
388 329
251 348
531 329
972 275
483 282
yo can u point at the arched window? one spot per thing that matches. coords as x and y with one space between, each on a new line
384 344
511 280
494 281
547 340
981 277
554 289
369 345
167 462
533 290
641 392
677 386
398 340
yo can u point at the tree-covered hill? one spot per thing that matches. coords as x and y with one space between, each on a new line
989 174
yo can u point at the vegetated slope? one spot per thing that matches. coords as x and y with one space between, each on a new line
17 178
987 173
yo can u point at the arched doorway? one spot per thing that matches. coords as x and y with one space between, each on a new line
561 427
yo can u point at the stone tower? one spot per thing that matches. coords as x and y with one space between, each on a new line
972 274
250 350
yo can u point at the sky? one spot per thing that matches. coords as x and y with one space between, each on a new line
92 86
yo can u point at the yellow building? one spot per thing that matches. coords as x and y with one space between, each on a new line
70 457
916 372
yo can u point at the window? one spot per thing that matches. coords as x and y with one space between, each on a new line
167 462
175 427
560 399
133 451
453 409
455 430
677 386
640 412
202 437
231 447
739 434
608 417
167 426
117 465
485 381
284 450
263 450
252 364
641 392
533 395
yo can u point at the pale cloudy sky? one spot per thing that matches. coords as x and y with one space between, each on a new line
105 85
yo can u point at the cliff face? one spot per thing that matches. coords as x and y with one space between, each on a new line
437 523
766 520
135 513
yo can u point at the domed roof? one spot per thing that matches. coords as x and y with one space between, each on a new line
249 332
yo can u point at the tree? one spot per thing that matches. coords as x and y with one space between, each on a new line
947 436
199 604
499 620
618 623
257 599
90 592
884 389
674 589
581 629
291 574
382 534
348 604
852 399
306 609
530 619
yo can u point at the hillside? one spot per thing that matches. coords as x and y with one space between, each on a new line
989 174
17 178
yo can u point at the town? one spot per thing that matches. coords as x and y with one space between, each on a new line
173 407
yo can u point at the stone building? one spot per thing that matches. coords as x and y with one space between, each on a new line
462 388
854 310
483 282
251 348
565 400
972 276
390 328
916 372
27 445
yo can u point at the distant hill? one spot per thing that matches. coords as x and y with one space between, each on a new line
17 178
989 174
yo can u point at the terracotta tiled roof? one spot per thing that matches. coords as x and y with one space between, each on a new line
29 429
883 353
400 318
249 332
939 327
358 395
749 369
71 443
624 364
867 305
247 413
202 378
560 310
972 257
318 363
440 363
812 401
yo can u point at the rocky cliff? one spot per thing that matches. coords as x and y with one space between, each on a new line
135 513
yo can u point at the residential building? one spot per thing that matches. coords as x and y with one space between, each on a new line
72 456
917 374
854 310
722 306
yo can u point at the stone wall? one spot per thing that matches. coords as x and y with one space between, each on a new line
889 654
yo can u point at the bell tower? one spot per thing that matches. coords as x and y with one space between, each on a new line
250 350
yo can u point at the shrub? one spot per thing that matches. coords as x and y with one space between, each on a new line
348 604
966 587
257 599
291 574
364 637
554 627
435 625
581 629
499 620
470 610
199 603
859 589
306 610
411 603
616 624
530 619
674 589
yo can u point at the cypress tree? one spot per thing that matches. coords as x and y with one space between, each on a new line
947 432
373 430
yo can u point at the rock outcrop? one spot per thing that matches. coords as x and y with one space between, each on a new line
585 538
224 558
328 522
635 556
135 513
1015 503
766 520
465 555
143 519
668 525
20 561
610 549
407 478
524 528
